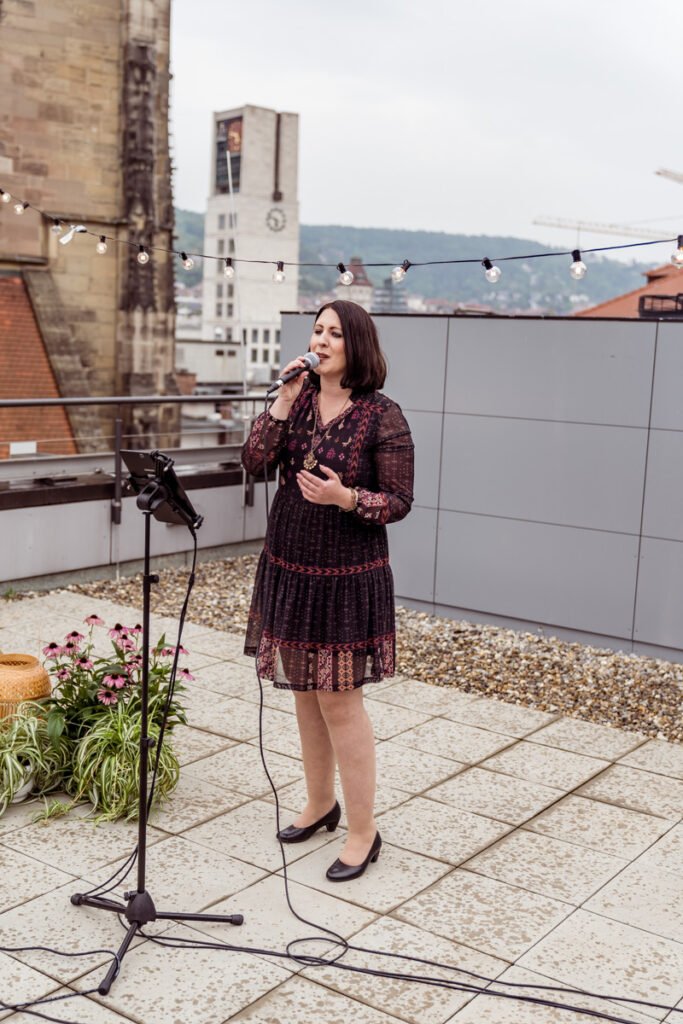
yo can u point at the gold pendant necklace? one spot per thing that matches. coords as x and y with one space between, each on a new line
310 461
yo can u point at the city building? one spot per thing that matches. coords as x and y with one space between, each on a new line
660 297
390 297
84 139
252 215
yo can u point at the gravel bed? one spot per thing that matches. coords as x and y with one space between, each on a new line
597 685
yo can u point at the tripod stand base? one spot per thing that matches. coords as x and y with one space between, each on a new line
139 908
139 911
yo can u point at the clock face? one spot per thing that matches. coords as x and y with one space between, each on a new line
276 219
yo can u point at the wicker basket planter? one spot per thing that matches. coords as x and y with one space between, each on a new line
22 677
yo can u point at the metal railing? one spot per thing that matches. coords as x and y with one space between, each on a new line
42 466
661 306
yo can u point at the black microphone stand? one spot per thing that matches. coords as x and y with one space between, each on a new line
161 495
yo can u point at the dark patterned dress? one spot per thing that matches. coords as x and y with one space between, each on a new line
322 610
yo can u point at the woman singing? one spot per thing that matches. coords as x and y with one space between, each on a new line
322 615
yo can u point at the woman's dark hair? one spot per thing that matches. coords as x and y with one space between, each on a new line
366 367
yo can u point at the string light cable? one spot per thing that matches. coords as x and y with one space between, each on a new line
492 271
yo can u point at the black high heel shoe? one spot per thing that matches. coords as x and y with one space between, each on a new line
293 834
341 872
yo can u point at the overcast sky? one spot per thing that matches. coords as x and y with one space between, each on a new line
471 116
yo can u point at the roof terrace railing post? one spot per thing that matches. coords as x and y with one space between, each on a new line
118 483
248 489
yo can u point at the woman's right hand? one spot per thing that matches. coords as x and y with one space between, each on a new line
289 392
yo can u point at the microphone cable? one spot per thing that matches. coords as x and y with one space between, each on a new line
338 939
325 934
345 945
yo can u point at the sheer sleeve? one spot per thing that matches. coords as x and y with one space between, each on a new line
268 436
393 453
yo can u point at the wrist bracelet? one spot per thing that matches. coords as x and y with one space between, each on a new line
354 497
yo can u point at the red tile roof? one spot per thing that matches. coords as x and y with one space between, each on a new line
25 372
664 280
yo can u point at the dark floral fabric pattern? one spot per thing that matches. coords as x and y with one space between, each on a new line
322 611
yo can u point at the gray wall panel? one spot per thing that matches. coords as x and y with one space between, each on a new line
583 579
667 408
659 611
54 538
295 334
557 370
654 651
415 348
255 516
567 473
425 428
412 547
663 514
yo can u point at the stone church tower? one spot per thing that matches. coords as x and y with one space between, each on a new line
84 137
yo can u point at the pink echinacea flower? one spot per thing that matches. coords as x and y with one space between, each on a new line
107 697
53 650
116 679
118 631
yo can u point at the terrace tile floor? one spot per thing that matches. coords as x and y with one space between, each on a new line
520 849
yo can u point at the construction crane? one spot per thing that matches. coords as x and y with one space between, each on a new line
624 230
672 175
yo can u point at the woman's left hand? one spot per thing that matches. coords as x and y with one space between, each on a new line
322 492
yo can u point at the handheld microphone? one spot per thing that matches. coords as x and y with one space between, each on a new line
311 360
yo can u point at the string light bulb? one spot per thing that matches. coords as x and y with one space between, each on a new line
20 207
398 273
578 268
345 276
5 196
228 270
677 255
142 256
74 229
56 228
101 246
279 274
491 273
188 262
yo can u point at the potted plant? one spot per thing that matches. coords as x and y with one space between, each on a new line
29 761
85 736
106 765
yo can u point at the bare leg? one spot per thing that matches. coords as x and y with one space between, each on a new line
353 741
318 757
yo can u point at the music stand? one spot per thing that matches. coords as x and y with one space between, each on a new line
159 494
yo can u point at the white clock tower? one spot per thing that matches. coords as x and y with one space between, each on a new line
252 214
